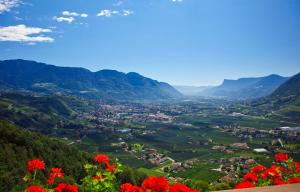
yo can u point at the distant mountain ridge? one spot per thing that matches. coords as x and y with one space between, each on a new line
283 103
287 94
104 84
290 88
246 88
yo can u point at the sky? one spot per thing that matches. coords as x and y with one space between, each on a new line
182 42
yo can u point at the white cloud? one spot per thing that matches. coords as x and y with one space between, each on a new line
22 33
64 19
67 13
107 13
74 14
176 1
110 13
6 5
69 17
127 12
84 15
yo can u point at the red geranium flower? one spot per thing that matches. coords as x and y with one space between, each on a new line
251 177
277 168
128 187
63 187
272 172
180 188
294 180
35 164
281 157
55 172
258 169
244 184
34 188
296 166
101 158
278 181
110 168
157 184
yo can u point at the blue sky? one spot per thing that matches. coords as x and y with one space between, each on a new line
182 42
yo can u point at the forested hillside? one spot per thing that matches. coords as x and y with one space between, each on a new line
18 146
283 103
41 113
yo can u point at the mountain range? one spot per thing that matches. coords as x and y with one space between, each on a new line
284 102
289 89
246 88
104 84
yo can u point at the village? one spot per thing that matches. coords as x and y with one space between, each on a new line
286 133
131 127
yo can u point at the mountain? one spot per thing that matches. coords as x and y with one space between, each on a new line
286 94
283 103
289 89
104 84
191 90
246 88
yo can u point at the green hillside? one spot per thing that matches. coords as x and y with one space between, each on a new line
283 103
41 113
19 145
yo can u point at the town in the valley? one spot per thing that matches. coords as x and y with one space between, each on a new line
171 139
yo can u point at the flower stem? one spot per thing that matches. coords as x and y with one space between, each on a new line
34 175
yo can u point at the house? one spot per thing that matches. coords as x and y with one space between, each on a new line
239 145
260 150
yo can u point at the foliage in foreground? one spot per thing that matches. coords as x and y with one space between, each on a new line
283 171
101 176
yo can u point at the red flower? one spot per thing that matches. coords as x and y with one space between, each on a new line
244 184
281 157
157 184
258 169
272 172
294 180
180 188
63 187
110 168
35 164
34 188
251 177
296 166
277 168
128 187
101 158
55 172
278 181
